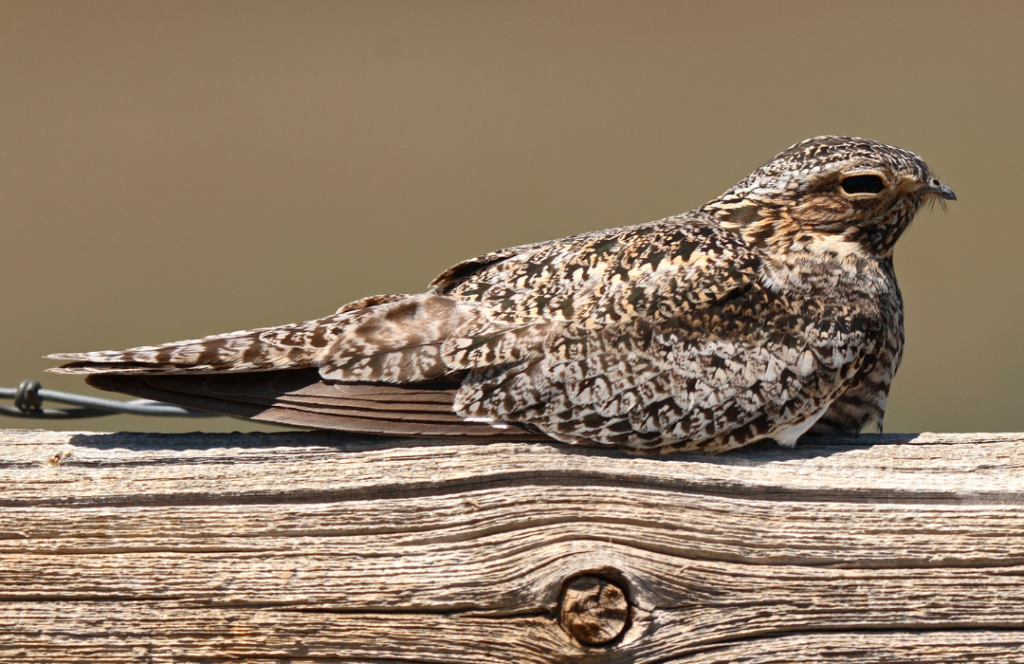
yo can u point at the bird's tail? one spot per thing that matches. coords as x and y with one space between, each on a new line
263 349
294 346
377 325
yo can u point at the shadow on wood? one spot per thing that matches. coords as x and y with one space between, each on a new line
311 547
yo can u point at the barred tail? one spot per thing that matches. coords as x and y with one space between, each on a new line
263 349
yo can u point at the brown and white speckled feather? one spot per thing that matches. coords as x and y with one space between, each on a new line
767 311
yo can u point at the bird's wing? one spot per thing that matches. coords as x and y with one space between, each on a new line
301 398
645 336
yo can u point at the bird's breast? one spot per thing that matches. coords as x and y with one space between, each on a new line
827 268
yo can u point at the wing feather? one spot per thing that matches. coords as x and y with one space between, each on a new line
643 337
301 398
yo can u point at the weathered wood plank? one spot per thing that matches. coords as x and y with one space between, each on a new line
315 547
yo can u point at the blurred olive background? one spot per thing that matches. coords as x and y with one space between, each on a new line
171 170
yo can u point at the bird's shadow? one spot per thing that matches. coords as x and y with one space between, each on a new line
767 451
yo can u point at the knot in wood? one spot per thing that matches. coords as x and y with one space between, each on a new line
594 610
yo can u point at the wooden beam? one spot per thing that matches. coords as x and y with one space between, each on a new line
312 547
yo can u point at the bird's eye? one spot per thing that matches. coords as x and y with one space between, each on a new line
862 184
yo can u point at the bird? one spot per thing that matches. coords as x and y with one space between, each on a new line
769 312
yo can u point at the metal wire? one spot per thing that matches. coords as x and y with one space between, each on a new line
29 397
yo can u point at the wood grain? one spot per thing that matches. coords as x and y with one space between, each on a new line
314 547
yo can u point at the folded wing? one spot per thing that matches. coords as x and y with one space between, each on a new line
643 337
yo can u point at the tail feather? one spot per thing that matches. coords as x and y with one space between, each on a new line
234 352
394 338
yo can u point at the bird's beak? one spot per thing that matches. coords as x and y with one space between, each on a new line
940 190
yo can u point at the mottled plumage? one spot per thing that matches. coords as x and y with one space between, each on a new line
769 310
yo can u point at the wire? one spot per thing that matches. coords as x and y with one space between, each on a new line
29 397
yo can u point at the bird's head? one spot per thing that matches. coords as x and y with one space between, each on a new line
863 191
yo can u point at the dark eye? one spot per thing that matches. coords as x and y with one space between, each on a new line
863 184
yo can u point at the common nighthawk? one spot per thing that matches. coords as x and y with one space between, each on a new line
769 311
